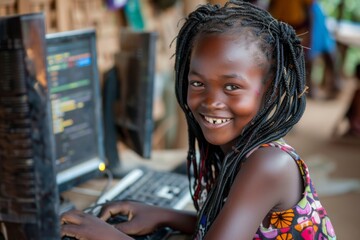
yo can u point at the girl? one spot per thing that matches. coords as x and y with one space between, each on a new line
240 80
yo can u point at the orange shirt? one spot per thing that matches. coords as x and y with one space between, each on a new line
293 12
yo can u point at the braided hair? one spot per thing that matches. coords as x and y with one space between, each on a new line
282 107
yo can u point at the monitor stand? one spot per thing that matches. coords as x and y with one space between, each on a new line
110 95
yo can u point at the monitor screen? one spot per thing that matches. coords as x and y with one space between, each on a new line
74 88
128 97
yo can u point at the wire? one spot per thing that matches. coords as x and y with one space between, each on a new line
108 184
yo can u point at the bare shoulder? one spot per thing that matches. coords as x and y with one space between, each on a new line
280 171
271 161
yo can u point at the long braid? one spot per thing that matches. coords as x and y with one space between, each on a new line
283 105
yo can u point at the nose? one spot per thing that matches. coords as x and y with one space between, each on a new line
213 100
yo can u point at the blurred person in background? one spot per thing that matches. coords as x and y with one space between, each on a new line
323 45
297 13
308 20
353 113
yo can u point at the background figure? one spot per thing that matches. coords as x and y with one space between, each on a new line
353 113
297 13
323 45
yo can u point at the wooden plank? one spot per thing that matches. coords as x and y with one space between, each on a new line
7 7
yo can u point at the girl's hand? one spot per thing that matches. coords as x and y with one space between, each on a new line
84 226
142 218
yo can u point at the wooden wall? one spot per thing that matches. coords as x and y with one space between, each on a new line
63 15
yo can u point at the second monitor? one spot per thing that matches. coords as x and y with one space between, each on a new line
128 98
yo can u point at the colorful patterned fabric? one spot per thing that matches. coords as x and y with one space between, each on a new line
308 220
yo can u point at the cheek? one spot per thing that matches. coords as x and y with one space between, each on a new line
247 106
191 100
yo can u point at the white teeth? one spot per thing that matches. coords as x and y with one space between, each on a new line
216 120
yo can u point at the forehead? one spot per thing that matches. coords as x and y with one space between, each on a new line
228 49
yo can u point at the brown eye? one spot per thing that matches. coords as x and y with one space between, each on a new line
196 84
231 87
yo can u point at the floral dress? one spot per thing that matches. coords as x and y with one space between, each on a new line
307 220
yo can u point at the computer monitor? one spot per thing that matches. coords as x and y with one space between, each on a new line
128 98
76 105
29 198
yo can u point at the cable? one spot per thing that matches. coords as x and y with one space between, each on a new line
108 184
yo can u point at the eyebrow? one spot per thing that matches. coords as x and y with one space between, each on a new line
234 75
224 76
192 72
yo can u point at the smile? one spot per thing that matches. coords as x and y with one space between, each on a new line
216 121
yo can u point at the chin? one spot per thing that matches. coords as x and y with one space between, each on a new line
215 140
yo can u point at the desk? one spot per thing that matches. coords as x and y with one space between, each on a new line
164 160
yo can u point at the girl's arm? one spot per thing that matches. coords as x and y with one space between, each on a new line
269 180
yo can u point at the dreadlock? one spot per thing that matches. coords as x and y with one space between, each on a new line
283 104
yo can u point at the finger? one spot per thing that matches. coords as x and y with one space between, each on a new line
72 217
113 209
70 230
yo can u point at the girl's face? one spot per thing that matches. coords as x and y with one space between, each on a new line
225 86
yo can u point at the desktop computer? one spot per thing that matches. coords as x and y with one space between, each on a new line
50 123
28 189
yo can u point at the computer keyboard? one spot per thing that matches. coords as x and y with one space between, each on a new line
159 188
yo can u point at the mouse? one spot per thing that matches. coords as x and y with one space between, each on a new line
68 238
117 219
